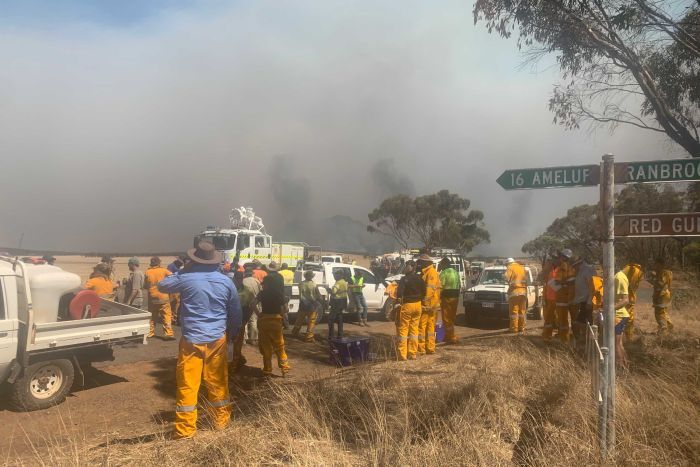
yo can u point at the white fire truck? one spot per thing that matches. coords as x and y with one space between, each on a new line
247 238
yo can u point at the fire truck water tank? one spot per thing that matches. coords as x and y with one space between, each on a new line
48 284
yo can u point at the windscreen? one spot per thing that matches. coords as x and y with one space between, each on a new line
492 277
220 241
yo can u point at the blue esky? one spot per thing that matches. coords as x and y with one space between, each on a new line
169 114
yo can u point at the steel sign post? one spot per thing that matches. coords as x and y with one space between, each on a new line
607 199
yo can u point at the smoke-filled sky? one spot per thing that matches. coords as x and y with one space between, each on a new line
130 125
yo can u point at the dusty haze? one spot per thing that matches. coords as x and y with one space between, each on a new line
133 131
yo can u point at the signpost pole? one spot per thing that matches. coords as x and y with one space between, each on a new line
608 202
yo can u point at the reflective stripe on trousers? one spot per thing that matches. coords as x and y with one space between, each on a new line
407 338
197 364
426 331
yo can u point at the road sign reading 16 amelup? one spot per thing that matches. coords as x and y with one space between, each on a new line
550 177
676 170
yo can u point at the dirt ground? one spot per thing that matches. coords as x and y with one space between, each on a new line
132 398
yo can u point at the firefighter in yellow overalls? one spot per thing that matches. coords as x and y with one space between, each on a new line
517 295
634 274
431 305
566 279
662 279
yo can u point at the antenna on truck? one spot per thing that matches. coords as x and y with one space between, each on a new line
245 218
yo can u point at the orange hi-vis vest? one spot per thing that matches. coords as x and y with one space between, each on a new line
566 276
597 289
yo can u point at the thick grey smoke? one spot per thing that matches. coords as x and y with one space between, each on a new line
134 136
290 190
389 180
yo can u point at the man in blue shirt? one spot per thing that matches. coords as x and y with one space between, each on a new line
209 309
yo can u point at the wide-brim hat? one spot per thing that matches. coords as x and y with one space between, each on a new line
272 266
425 257
205 253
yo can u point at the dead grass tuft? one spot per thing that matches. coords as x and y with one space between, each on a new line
497 402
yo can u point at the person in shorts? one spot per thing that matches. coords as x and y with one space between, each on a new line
338 304
621 316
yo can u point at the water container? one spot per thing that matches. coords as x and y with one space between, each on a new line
439 332
48 284
348 350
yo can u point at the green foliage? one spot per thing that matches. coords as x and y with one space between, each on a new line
439 219
394 217
580 229
648 198
633 62
543 247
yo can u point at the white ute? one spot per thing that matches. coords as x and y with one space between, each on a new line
41 348
488 298
323 277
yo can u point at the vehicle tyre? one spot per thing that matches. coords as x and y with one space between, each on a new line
388 308
43 385
536 312
321 312
470 317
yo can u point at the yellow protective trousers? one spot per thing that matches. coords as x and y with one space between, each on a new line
161 312
407 330
197 363
517 306
662 319
629 327
449 313
563 321
175 305
549 314
426 330
302 317
271 339
238 358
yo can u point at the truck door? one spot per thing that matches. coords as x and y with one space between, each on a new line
374 289
8 333
262 248
531 292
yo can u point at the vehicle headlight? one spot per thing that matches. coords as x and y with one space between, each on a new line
469 296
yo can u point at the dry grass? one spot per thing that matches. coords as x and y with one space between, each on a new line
496 401
501 402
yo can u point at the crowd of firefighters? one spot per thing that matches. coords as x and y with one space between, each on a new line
573 296
220 307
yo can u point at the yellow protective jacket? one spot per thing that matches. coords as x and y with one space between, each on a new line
634 276
595 285
566 278
432 287
516 279
662 287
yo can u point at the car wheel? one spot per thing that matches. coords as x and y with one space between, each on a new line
387 311
42 385
536 312
321 312
470 317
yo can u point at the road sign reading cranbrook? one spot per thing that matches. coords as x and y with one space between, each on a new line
682 224
551 177
678 170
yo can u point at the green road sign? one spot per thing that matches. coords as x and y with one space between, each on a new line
550 177
678 170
